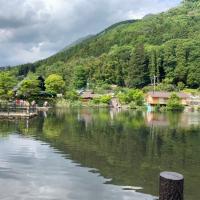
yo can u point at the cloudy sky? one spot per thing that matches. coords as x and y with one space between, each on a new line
35 29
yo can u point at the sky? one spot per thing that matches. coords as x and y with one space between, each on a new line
31 30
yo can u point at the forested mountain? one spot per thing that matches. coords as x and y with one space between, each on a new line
80 40
130 53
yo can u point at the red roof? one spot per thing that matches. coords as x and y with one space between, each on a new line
167 95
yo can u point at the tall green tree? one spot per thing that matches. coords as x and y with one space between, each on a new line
29 88
138 75
7 83
80 77
55 84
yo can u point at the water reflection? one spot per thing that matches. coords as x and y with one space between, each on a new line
186 119
128 149
32 170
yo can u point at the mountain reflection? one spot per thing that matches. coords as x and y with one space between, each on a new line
127 148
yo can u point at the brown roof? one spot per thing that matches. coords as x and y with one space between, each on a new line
167 95
87 95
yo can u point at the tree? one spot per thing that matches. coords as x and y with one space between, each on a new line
80 77
138 75
193 79
7 83
29 88
55 84
181 85
41 83
174 103
132 95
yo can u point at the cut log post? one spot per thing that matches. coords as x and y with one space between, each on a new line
171 186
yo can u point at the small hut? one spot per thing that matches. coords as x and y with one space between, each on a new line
87 96
161 98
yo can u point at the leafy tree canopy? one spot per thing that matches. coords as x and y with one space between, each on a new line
7 83
174 103
54 84
29 88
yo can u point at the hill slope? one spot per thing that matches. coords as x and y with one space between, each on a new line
130 53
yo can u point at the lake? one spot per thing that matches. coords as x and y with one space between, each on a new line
87 154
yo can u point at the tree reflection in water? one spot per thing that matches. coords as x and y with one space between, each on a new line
128 148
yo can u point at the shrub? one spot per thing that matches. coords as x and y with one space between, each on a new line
181 85
174 103
55 84
72 95
157 108
131 95
105 99
96 100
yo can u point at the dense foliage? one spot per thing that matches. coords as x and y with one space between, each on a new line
29 88
174 103
131 53
7 82
133 96
104 99
54 84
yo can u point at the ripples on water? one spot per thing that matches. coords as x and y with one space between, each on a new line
88 154
33 170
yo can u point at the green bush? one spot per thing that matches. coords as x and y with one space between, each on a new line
181 86
54 84
131 95
165 87
174 103
96 100
157 108
105 99
72 95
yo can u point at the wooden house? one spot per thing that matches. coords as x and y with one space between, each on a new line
161 98
88 95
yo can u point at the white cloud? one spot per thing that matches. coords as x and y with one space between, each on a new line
34 29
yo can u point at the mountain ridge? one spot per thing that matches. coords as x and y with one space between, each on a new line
166 43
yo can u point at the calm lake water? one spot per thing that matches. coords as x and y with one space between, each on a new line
101 154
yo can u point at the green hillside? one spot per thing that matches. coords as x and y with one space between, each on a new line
130 53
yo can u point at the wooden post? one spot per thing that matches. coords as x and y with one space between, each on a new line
171 186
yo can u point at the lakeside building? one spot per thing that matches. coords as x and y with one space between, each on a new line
161 98
194 101
88 95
